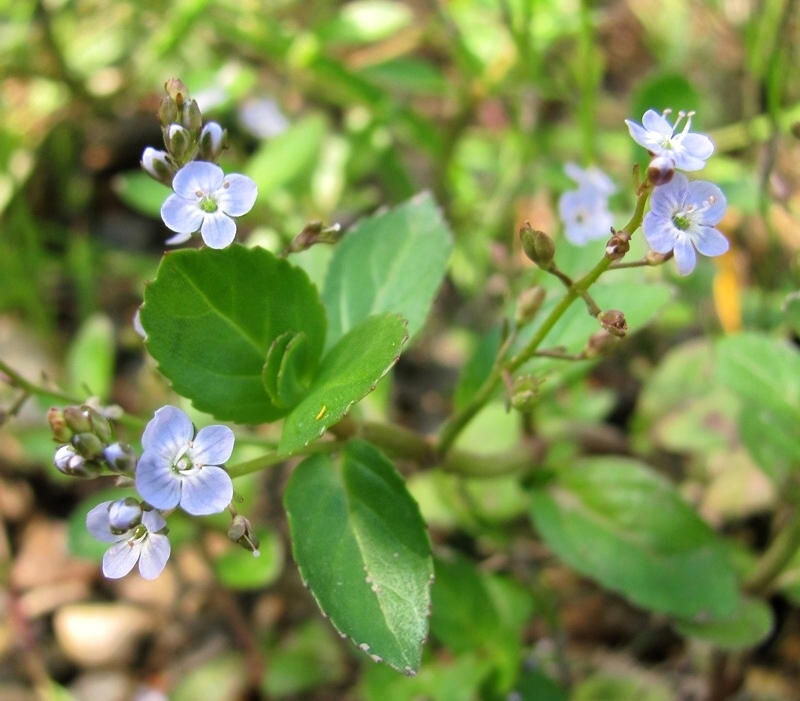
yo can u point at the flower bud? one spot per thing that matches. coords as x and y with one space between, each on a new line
241 532
525 393
156 164
167 111
192 118
538 246
661 170
178 142
528 304
618 245
69 462
177 91
120 458
212 142
88 445
78 419
614 322
58 424
124 514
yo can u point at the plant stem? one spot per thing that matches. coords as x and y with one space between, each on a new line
775 558
458 422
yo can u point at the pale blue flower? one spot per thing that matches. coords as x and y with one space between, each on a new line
657 135
205 200
682 218
137 535
179 468
584 211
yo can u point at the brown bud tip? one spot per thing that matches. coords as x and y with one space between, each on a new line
661 170
618 245
177 91
614 322
538 246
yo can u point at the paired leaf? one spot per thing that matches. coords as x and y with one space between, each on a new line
211 317
349 371
616 521
361 546
393 262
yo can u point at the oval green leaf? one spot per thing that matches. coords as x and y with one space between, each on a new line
211 317
746 627
393 262
362 549
616 521
348 372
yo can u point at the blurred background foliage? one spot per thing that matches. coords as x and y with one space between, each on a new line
337 109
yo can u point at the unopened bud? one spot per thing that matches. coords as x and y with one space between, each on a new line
538 246
525 393
120 458
58 424
614 322
69 462
192 118
88 445
661 170
241 532
529 304
124 514
177 91
212 142
178 142
600 343
156 164
168 111
618 245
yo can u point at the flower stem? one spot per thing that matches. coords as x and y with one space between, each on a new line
453 427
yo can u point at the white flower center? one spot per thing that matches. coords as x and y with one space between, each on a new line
690 216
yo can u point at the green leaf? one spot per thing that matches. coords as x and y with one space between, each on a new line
283 372
361 546
211 317
140 192
349 371
746 627
765 374
238 568
393 262
283 159
763 371
616 521
90 359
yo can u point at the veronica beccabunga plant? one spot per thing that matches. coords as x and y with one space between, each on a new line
243 334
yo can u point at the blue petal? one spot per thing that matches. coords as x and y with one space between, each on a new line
181 215
670 197
154 555
98 525
654 121
218 230
238 197
120 559
659 232
710 242
207 491
197 176
168 432
213 445
685 257
156 481
701 193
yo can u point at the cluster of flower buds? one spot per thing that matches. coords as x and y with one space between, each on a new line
205 199
185 136
88 447
180 467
